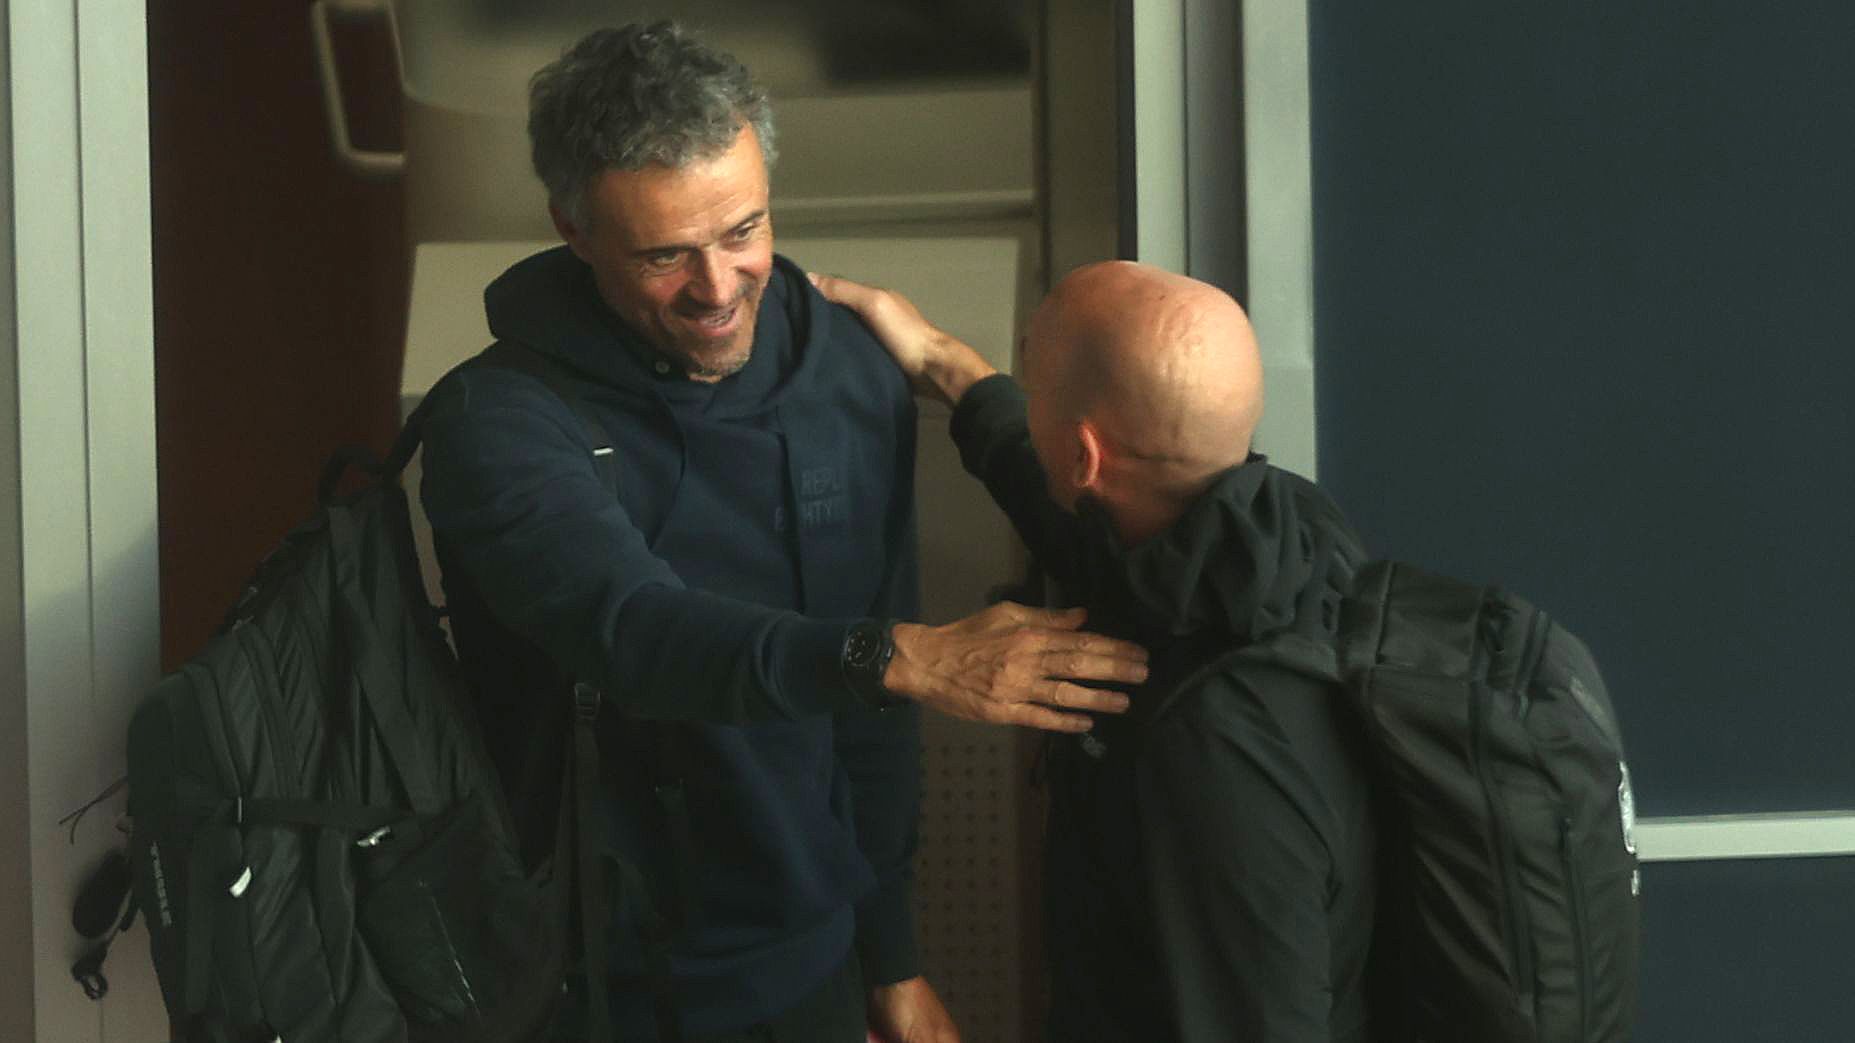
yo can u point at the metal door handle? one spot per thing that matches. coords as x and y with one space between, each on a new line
373 164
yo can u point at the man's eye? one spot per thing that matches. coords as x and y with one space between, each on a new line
661 262
743 234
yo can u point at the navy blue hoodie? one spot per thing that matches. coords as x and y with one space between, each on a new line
757 517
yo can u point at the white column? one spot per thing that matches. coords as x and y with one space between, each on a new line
1159 188
15 859
1196 193
81 623
1279 186
1215 205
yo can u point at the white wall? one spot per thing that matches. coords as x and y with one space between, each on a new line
1161 198
1278 184
1209 208
78 573
15 903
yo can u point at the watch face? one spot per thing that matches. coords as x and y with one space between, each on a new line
861 649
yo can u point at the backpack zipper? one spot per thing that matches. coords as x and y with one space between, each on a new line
216 723
257 652
1518 935
1579 943
1531 652
231 983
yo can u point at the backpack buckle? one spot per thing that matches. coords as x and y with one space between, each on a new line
586 701
88 972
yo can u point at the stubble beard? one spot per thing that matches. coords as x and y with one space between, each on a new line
715 365
728 367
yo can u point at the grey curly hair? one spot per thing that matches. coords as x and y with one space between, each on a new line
627 98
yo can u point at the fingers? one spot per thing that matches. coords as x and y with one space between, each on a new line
861 298
1058 619
894 317
839 290
1099 645
1052 618
1031 715
1050 649
1079 665
1079 654
1076 697
1012 664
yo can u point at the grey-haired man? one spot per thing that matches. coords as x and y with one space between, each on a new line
748 582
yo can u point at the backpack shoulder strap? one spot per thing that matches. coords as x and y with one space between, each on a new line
509 354
655 929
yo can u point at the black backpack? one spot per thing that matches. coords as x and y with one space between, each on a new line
320 844
1509 883
1509 909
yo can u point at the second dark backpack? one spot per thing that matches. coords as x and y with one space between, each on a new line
1509 907
1508 894
319 841
321 845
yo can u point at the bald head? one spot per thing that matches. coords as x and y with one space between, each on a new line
1163 369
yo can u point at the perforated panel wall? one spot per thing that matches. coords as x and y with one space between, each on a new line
969 887
967 892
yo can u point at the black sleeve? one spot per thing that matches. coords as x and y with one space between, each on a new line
993 437
1239 878
510 487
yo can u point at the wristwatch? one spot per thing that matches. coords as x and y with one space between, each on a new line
868 647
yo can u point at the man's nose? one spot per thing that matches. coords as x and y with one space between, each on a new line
713 281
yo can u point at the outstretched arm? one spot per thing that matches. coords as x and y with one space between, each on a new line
989 425
510 488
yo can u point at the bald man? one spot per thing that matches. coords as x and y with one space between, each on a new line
1210 856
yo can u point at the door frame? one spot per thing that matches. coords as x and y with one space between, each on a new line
81 594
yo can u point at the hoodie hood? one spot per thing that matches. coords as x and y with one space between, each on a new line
551 303
1257 549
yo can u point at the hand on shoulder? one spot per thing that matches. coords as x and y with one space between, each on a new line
937 364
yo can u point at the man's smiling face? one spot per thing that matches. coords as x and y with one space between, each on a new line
683 254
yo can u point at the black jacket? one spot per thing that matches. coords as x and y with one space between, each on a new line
756 518
1210 872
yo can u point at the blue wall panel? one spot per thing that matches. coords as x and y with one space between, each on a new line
1739 952
1585 321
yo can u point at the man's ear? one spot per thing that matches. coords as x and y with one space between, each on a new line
1085 472
571 233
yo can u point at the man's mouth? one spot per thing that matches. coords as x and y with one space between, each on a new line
715 320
